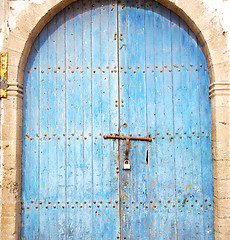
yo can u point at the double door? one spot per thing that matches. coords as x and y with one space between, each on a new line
131 69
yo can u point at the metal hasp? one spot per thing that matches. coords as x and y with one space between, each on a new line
127 162
3 74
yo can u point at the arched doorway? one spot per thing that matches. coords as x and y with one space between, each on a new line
127 69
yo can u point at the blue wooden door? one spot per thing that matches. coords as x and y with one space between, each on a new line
164 94
128 68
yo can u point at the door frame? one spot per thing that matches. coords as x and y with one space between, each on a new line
18 41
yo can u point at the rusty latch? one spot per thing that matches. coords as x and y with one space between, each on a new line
127 162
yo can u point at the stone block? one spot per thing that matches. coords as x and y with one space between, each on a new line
11 132
11 162
220 236
221 72
11 148
220 115
222 207
13 74
220 101
222 225
220 56
212 31
11 209
8 225
221 188
220 150
221 169
220 131
14 58
15 43
12 116
11 186
12 102
205 19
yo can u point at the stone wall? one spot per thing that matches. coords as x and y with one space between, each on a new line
21 22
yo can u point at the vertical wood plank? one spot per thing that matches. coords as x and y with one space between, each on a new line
61 130
87 116
44 145
97 121
110 118
79 123
127 61
70 121
52 126
141 125
206 143
151 117
178 58
34 166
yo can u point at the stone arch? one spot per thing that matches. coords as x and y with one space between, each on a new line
203 21
206 25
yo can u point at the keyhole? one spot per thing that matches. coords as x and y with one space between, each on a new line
147 157
126 162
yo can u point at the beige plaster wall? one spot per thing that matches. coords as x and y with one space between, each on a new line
21 21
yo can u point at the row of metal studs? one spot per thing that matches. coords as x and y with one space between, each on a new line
81 206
